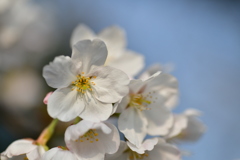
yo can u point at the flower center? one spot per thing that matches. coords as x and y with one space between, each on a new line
139 102
83 84
90 136
135 155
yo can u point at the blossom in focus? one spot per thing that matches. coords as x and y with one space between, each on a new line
28 147
150 149
143 110
118 56
85 87
59 153
187 127
89 140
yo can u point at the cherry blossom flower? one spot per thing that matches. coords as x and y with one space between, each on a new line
85 87
187 127
150 149
89 140
28 147
170 92
118 56
143 110
59 153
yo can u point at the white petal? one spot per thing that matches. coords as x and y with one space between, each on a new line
104 128
138 86
111 84
115 39
192 112
74 131
160 119
166 86
89 53
19 147
147 145
36 154
97 157
194 130
65 104
95 110
180 123
115 107
107 143
164 151
123 104
60 73
163 80
150 71
81 32
3 157
110 141
123 146
59 154
129 62
133 125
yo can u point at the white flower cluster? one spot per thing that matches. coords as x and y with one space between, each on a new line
97 83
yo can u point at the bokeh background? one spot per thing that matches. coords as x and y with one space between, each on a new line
200 38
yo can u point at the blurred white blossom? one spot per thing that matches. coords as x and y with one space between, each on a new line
171 93
27 33
118 56
187 127
25 85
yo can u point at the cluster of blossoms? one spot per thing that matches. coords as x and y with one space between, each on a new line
97 83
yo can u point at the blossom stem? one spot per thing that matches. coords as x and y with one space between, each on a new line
78 119
116 115
47 133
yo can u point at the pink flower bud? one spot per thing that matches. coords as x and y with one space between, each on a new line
45 100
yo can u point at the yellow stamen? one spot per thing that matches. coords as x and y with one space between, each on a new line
141 102
82 84
89 136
